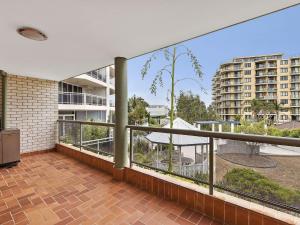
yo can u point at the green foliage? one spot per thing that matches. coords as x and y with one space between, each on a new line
67 139
190 108
92 132
273 131
264 108
154 123
142 152
199 176
251 182
170 56
137 112
212 113
247 127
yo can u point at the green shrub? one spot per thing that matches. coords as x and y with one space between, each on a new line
295 133
92 132
247 127
199 176
251 182
273 131
285 133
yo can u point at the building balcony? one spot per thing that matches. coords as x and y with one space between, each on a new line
295 96
99 74
141 173
79 172
295 80
72 100
270 74
295 104
258 67
295 63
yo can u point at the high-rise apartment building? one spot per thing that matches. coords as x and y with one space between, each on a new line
266 77
87 97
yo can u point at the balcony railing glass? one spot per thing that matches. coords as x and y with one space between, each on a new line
249 166
253 167
89 136
80 99
99 74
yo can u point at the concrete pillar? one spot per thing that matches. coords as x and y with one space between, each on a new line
121 112
213 127
220 127
232 127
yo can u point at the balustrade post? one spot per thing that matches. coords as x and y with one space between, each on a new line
211 165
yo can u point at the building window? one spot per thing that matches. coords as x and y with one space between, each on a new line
247 72
284 117
283 77
284 101
64 87
247 87
247 80
284 86
247 64
284 70
284 93
284 110
247 94
284 62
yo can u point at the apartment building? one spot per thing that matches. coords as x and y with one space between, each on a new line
88 97
266 77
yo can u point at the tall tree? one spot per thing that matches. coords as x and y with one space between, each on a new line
137 112
190 108
256 107
276 108
212 113
171 56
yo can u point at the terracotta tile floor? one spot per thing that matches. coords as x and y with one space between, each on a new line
51 188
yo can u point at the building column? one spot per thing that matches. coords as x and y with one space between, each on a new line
232 127
121 113
220 127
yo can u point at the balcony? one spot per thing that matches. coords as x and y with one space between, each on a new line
73 98
295 63
206 157
272 65
295 80
100 187
98 74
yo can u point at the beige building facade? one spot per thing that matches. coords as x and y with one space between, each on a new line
270 78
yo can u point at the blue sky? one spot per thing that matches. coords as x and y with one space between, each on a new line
275 33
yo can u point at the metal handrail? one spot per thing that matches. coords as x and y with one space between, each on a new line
88 123
223 135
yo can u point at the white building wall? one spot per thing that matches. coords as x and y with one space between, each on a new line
33 108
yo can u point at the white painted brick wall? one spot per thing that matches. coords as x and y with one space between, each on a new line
33 108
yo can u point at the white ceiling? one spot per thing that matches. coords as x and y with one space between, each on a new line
85 35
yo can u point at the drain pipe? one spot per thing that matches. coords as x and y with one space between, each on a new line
4 99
